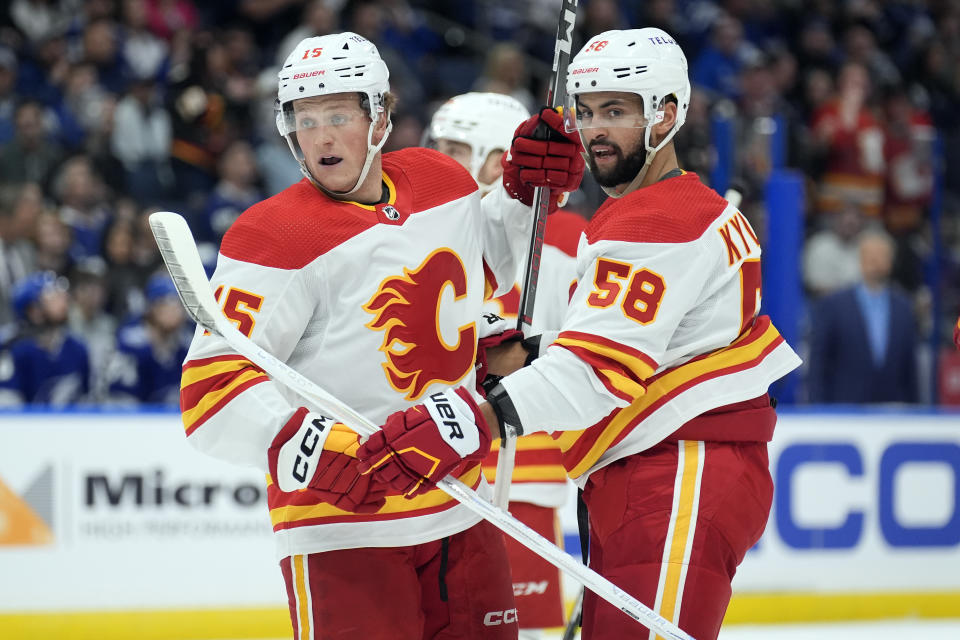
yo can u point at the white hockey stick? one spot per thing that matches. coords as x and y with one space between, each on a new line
183 262
556 92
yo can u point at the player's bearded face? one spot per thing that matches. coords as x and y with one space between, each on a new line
611 163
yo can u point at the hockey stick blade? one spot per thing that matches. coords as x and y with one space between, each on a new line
174 239
180 255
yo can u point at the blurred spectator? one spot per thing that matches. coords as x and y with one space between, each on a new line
236 191
693 142
125 278
143 53
80 111
166 17
717 67
147 365
275 163
32 155
45 364
831 256
600 16
851 140
860 46
101 48
20 205
817 48
89 320
42 74
142 135
38 19
52 240
371 19
908 154
318 20
84 206
864 339
505 72
8 94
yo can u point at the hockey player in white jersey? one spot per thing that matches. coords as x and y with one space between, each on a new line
658 380
476 129
368 277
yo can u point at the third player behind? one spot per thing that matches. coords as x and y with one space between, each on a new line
476 129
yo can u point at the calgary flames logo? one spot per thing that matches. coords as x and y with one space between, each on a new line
407 310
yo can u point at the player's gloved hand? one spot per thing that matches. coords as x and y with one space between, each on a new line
543 154
417 447
313 452
486 381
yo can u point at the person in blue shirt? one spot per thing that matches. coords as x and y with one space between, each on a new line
864 338
146 367
43 364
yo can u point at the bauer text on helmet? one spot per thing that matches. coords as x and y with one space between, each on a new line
333 65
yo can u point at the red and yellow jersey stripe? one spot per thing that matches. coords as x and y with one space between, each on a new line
582 449
622 370
300 508
538 459
208 384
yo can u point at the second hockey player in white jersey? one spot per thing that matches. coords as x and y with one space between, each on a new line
658 380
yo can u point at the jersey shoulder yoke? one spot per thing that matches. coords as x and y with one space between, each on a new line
673 211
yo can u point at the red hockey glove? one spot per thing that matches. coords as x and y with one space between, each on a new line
298 461
417 447
543 154
510 335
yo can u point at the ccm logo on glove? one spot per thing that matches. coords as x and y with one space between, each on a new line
297 459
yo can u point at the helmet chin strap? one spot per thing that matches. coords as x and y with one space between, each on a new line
372 151
484 188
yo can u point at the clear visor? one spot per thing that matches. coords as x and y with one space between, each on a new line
459 151
597 111
305 116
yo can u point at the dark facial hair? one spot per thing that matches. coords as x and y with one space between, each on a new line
626 168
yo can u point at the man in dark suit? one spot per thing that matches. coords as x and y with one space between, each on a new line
863 343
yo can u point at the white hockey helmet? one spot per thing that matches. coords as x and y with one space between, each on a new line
324 65
484 121
647 62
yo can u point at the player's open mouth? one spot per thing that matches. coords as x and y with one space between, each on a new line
329 160
602 151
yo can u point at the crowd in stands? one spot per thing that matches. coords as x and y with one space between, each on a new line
113 109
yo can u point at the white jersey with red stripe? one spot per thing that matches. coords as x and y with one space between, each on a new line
376 304
662 327
539 476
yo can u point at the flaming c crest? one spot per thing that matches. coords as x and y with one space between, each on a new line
407 309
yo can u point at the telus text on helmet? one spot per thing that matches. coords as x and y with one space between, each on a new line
662 40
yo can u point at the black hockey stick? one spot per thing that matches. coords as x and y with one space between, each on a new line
556 94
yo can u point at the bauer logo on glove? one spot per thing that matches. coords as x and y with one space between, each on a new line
417 447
